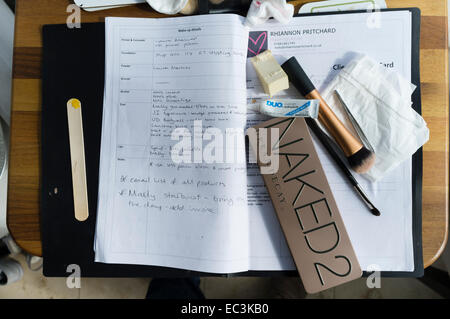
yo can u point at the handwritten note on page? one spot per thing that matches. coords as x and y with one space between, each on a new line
163 74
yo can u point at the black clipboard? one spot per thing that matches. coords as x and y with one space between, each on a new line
73 67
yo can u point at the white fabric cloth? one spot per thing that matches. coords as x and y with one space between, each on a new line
6 54
167 6
4 138
380 102
261 10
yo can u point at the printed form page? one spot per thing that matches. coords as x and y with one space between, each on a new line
163 74
323 45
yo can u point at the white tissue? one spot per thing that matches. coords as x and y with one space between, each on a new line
380 102
167 6
261 10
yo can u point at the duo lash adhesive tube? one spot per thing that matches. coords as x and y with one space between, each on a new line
288 108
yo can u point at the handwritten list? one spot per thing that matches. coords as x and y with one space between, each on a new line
163 75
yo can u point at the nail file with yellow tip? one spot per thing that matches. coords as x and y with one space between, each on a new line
76 139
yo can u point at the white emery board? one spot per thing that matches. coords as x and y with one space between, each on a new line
110 3
92 9
342 5
76 139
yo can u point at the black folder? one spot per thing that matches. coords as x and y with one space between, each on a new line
73 67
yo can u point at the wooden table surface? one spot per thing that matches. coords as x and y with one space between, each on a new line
24 164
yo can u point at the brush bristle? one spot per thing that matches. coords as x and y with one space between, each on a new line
362 160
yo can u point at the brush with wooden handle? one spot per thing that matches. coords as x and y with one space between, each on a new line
358 156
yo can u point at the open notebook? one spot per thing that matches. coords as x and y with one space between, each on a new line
192 73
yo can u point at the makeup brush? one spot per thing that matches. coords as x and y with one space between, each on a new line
334 152
359 157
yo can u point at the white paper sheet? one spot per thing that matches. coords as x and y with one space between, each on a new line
384 241
162 74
